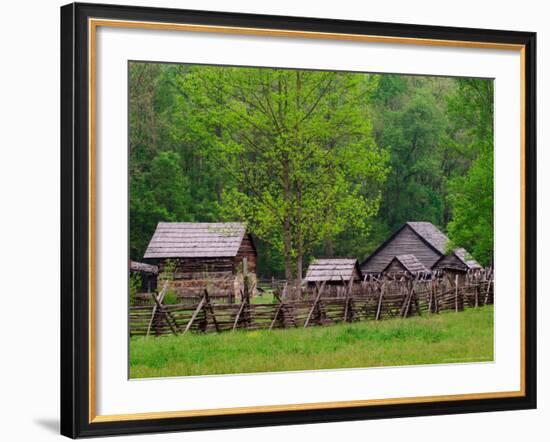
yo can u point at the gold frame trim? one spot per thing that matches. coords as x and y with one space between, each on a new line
93 24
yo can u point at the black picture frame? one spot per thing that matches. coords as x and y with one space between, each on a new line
75 221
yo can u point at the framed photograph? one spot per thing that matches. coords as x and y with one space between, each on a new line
274 220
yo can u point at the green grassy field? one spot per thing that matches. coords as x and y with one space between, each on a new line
445 338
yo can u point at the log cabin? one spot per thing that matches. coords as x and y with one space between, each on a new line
212 256
421 239
336 273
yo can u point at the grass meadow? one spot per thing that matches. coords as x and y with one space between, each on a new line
430 339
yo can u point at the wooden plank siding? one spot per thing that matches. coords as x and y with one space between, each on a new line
405 241
458 260
247 250
450 261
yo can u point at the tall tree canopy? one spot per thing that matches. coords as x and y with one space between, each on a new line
298 151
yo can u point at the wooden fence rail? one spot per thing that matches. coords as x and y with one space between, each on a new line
368 300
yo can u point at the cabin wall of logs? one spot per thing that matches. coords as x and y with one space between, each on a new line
223 278
391 296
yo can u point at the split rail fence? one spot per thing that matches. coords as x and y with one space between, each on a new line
372 299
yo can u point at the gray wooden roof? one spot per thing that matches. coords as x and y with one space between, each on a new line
195 240
410 263
430 233
143 267
334 269
466 258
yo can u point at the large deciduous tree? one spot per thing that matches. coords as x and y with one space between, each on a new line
301 162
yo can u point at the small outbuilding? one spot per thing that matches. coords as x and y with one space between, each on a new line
147 275
458 260
200 256
456 264
336 273
419 238
406 264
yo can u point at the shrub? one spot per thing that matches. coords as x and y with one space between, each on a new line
170 298
135 284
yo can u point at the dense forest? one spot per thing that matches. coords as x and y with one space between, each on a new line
318 164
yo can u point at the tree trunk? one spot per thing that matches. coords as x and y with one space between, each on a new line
287 252
299 240
299 259
287 225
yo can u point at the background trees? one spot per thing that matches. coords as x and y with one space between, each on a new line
316 163
471 195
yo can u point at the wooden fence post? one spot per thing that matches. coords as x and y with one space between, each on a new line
486 300
154 310
239 312
195 314
167 317
315 303
276 316
456 293
405 308
379 308
211 309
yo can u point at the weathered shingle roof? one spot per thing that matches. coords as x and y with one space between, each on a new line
435 237
195 240
410 263
466 258
143 267
331 270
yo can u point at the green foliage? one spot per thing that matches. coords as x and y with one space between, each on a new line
411 121
134 285
170 184
160 194
298 149
170 298
472 200
165 147
168 269
445 338
413 134
317 163
471 195
166 275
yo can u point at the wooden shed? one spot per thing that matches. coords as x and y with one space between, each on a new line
458 260
209 256
406 264
421 239
147 273
334 272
